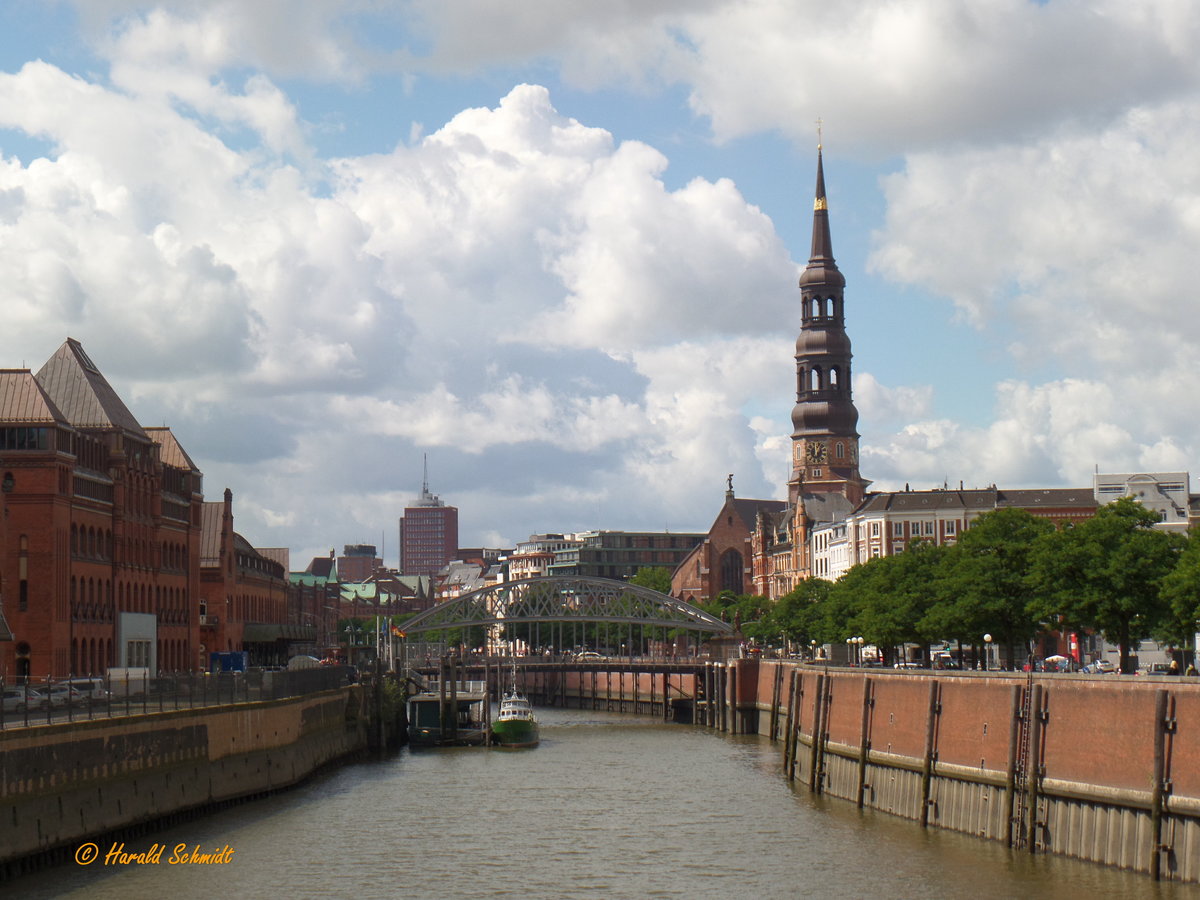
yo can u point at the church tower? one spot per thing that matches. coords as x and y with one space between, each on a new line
825 422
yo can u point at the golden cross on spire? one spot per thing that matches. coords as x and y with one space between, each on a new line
818 132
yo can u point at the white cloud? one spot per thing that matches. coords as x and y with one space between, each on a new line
526 293
477 292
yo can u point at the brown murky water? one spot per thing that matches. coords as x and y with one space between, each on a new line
609 806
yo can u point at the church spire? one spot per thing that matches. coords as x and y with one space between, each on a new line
825 420
822 269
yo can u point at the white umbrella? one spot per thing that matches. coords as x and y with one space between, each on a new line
1056 659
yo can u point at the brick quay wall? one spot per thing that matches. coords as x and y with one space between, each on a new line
63 784
1101 768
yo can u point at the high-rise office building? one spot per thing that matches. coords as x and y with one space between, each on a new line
428 533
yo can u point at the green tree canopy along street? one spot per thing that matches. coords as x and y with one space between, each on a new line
1011 575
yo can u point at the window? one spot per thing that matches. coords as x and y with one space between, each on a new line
732 572
816 473
929 529
874 529
897 529
951 528
839 450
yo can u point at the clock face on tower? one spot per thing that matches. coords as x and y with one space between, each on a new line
816 452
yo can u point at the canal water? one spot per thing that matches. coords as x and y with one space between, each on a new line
609 806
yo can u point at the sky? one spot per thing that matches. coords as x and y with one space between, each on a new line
553 246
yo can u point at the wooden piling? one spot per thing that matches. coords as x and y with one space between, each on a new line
789 729
1010 773
864 741
931 718
1161 725
814 750
1033 773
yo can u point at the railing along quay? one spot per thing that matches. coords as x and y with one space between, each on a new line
168 692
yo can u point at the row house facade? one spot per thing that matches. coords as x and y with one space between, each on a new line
887 522
534 557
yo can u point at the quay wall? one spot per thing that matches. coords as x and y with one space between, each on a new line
64 783
1102 768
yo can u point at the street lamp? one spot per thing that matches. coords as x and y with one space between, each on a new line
987 651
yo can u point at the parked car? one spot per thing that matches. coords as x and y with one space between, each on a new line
14 699
589 656
92 688
1100 667
60 695
19 698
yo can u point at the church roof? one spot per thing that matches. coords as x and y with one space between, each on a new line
748 509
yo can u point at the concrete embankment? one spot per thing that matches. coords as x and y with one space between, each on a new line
63 783
1104 769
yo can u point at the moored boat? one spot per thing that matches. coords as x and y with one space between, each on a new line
515 725
453 718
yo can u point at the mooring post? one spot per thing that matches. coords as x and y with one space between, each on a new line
1162 724
1034 771
814 750
864 740
931 718
487 705
732 694
776 692
1010 774
789 732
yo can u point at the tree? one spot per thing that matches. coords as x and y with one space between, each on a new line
1181 592
1106 573
796 615
982 582
885 599
657 578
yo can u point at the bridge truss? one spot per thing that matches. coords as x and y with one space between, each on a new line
565 600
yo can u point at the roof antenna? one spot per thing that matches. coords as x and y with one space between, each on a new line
425 477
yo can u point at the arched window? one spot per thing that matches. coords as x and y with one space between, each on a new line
834 377
732 572
839 450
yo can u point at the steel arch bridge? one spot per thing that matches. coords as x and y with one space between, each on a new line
562 599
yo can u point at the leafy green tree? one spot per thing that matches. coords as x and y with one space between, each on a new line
1106 573
981 584
885 599
1181 592
657 578
797 614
